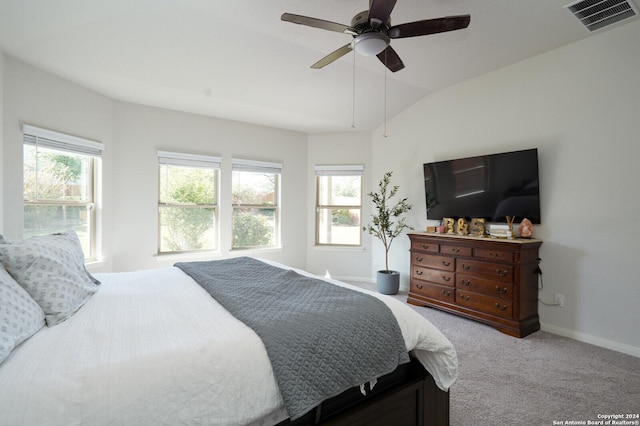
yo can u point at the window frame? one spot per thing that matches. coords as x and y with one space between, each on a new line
259 167
197 161
342 170
65 144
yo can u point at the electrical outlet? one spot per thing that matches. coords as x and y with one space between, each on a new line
559 299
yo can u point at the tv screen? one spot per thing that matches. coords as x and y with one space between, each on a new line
489 186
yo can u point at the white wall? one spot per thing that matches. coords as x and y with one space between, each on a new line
579 105
141 131
35 97
339 148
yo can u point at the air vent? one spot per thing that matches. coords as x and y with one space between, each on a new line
597 14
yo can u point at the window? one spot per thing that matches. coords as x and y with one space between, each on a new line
338 205
60 183
255 193
187 202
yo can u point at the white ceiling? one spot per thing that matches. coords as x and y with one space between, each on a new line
237 60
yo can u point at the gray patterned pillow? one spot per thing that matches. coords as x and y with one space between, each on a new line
20 315
51 269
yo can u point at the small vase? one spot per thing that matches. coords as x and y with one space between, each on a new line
388 282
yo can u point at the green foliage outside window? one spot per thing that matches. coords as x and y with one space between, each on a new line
254 197
251 230
187 215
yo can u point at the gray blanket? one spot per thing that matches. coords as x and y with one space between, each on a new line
321 339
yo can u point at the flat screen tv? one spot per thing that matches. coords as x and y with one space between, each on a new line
488 186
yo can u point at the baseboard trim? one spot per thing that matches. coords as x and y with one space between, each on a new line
587 338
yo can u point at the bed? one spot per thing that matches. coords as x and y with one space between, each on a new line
153 347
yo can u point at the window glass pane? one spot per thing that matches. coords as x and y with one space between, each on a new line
56 175
187 214
254 227
49 219
339 201
187 228
254 188
339 226
187 185
58 194
339 190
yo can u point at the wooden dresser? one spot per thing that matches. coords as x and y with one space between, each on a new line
494 281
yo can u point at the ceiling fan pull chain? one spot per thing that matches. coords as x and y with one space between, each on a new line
385 93
353 102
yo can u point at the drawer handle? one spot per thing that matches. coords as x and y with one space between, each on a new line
419 259
465 282
502 308
419 286
426 247
446 278
446 292
501 290
445 263
494 255
465 298
419 272
455 250
500 272
466 267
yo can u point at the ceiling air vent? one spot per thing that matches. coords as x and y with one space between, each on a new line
597 14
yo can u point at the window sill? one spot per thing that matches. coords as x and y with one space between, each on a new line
251 251
209 255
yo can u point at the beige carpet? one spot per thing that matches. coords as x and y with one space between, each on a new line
536 380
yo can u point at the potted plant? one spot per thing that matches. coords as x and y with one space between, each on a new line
386 224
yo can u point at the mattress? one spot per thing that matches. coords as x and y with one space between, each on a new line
152 347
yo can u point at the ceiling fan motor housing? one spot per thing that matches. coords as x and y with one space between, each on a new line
371 37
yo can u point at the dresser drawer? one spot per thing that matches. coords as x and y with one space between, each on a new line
487 287
498 255
434 275
439 262
424 246
456 250
489 305
492 271
433 291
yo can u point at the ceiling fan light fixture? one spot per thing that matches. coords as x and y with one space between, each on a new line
370 44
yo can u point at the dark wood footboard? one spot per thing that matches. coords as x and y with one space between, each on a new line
414 401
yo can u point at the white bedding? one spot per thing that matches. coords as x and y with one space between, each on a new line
152 347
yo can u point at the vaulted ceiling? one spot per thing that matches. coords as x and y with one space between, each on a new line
238 60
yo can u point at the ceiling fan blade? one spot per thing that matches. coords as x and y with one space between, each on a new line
332 56
390 59
380 10
429 26
314 22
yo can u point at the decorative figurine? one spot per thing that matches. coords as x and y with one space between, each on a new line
463 227
478 227
525 229
448 223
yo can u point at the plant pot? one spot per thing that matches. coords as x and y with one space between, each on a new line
388 282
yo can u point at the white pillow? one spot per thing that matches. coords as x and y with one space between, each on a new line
51 269
20 315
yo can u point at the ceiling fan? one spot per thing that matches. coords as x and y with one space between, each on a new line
372 32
